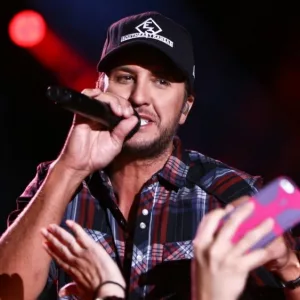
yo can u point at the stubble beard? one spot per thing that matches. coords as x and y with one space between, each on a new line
155 148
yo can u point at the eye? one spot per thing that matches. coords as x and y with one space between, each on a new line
162 82
125 78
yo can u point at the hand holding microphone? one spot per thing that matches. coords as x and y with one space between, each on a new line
81 104
93 145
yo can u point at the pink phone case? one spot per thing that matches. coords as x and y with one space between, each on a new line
280 200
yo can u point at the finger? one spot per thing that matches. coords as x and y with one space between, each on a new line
64 237
120 106
67 263
230 226
120 132
240 200
252 237
207 228
254 260
68 290
81 236
277 248
91 92
98 95
57 246
126 107
277 242
86 241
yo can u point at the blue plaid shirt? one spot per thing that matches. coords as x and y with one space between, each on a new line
153 248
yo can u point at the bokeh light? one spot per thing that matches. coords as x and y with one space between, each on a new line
27 28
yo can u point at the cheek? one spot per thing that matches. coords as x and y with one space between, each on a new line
169 107
123 91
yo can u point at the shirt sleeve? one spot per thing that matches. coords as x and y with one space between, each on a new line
30 190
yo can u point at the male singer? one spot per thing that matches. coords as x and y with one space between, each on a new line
141 198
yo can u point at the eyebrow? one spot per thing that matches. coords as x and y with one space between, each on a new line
123 68
155 71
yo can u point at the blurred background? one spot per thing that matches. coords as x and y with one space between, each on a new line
247 80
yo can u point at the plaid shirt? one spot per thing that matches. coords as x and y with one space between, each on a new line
153 251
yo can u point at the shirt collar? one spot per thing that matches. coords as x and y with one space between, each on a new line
176 168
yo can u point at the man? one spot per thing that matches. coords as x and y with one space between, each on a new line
141 198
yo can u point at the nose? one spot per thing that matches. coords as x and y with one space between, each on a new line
140 94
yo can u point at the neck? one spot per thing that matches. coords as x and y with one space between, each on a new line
128 175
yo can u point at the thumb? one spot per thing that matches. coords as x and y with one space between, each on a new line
69 289
121 131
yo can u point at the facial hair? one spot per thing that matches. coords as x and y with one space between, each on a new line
154 148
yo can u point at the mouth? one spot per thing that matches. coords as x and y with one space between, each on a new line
144 122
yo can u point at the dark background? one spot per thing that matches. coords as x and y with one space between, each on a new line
247 84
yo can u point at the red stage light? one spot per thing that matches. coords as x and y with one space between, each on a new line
27 28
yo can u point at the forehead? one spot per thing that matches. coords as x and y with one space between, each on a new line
145 57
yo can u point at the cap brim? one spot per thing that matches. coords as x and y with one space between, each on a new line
106 62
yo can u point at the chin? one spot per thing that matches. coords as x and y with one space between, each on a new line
142 147
150 144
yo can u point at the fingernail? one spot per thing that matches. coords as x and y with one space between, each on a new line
229 208
44 231
129 111
120 109
45 245
50 228
250 204
270 222
62 293
69 223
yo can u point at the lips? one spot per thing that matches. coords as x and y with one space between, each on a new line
145 119
144 122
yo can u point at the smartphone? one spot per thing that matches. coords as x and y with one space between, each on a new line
280 200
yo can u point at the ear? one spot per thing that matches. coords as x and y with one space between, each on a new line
103 82
186 109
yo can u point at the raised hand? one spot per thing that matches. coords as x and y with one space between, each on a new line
220 268
89 145
84 260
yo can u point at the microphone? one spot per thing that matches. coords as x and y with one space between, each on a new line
85 106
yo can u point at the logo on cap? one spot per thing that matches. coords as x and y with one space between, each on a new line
148 29
149 26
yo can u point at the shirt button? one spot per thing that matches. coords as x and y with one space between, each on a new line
145 212
139 257
142 225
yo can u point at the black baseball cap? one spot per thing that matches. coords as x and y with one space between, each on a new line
155 30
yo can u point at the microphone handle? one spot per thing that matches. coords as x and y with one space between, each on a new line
83 105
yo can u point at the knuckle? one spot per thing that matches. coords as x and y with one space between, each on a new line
252 236
214 253
68 269
228 261
195 243
87 91
76 263
71 246
197 246
84 253
94 281
124 102
61 249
